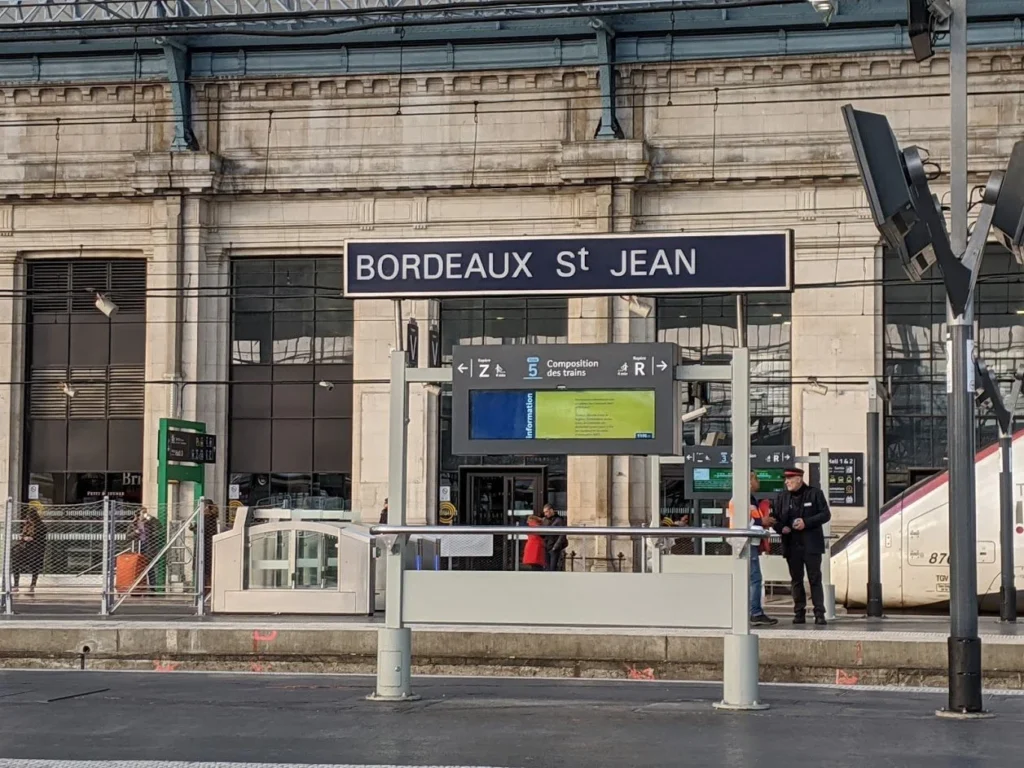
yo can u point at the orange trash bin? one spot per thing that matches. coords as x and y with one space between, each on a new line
127 568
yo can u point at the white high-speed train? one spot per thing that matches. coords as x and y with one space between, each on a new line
915 541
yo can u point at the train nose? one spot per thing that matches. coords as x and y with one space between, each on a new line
841 576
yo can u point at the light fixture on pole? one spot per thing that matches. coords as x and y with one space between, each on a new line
105 305
911 223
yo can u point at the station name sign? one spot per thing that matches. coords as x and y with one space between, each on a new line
735 262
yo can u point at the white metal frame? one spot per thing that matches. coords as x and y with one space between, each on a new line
717 587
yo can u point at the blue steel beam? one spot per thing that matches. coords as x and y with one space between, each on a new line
609 127
177 61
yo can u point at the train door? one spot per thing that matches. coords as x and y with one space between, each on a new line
926 547
893 547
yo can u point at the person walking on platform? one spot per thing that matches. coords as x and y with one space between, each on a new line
760 516
534 552
800 511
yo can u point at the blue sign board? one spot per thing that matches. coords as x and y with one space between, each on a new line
740 262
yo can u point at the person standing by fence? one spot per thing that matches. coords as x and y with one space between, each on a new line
29 553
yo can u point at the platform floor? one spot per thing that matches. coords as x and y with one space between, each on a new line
325 719
926 627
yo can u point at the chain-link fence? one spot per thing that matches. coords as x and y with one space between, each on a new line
107 553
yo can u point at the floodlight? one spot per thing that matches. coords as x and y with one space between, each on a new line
919 29
881 167
105 305
1008 218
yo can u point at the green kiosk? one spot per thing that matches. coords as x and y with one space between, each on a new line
184 451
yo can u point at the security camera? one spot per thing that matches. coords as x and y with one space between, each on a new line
941 9
105 305
326 385
67 389
816 386
694 414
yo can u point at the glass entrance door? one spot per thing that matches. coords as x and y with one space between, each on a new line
502 498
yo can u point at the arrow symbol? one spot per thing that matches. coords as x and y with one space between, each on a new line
462 368
662 365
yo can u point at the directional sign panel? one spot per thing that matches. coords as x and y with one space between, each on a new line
724 262
709 470
191 447
579 399
845 479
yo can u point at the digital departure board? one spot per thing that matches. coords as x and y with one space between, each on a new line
588 414
578 399
718 480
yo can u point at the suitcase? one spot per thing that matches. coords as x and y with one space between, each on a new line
127 568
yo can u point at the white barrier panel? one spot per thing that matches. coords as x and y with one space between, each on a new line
681 600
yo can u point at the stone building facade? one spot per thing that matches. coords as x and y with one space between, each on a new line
291 167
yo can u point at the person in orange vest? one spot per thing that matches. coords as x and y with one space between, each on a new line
760 517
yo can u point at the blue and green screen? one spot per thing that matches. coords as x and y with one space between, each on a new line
588 414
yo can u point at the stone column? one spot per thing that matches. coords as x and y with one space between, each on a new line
608 490
633 321
187 330
374 340
12 374
206 341
839 332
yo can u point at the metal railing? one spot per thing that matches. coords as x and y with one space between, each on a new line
597 600
441 531
107 551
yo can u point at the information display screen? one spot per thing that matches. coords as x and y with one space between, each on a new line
718 480
580 414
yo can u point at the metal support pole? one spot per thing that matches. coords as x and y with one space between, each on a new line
1007 591
394 639
826 561
8 604
654 489
872 478
964 645
200 546
740 668
108 566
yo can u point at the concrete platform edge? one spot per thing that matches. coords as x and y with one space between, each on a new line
786 656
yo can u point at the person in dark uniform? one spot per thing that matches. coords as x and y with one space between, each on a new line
555 545
800 511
